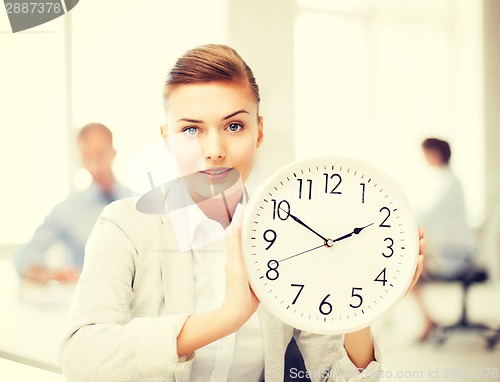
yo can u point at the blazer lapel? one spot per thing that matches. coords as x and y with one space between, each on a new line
276 336
176 273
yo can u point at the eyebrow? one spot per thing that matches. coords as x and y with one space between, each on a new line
225 118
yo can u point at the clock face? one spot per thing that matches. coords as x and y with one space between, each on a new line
330 244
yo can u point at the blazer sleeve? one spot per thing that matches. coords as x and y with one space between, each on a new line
326 359
101 343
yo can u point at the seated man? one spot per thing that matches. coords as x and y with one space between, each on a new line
71 221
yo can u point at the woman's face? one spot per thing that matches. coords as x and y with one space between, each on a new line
433 158
212 130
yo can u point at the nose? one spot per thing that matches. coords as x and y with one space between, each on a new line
214 147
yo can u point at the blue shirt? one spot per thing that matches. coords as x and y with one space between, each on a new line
70 223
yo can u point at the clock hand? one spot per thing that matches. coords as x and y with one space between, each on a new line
305 225
355 231
301 253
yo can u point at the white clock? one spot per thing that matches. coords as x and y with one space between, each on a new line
330 244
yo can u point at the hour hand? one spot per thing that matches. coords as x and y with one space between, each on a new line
305 225
355 231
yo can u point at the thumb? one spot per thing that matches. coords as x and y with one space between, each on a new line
237 219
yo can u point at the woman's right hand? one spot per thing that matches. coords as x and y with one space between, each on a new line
240 302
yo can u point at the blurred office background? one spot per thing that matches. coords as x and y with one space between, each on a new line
363 78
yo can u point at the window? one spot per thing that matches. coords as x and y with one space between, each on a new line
373 79
103 62
33 136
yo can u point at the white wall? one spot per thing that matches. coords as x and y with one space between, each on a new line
377 77
32 127
262 31
122 52
492 101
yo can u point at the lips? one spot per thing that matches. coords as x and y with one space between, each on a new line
217 174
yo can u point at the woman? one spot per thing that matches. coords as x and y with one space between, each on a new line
451 245
158 298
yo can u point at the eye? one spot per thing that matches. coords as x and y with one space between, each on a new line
234 127
191 131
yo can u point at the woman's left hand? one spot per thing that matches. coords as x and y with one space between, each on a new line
359 344
420 260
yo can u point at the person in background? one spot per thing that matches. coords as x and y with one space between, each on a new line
71 221
451 244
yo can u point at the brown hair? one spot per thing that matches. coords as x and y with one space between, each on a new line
211 63
439 146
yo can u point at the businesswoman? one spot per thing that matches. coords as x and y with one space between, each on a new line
164 296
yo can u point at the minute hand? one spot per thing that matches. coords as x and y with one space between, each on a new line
304 225
355 231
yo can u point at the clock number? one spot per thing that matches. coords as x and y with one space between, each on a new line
301 286
270 240
325 307
389 247
300 187
272 273
281 210
358 296
363 185
383 280
383 225
339 180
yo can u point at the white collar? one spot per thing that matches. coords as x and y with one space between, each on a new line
192 227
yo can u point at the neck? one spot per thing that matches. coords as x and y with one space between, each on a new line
106 184
221 207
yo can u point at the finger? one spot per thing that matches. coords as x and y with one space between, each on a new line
419 269
254 296
422 242
234 258
237 219
421 232
416 275
233 242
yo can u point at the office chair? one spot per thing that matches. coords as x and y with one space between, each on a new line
441 333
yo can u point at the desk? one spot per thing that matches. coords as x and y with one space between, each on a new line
32 319
17 372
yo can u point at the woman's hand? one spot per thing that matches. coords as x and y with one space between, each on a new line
359 344
240 302
420 260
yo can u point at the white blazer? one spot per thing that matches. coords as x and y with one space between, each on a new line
134 294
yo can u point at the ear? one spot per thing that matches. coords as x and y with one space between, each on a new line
260 132
163 131
164 135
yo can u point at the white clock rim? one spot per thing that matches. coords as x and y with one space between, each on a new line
245 237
